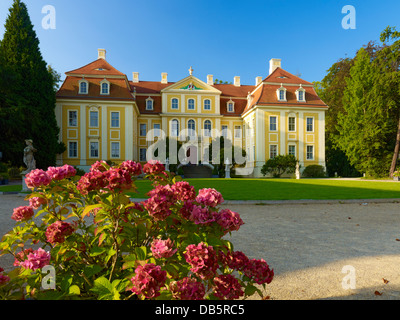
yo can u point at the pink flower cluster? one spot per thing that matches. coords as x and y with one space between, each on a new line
227 287
159 203
39 178
36 202
203 260
148 280
90 181
184 191
3 279
209 197
57 232
188 289
60 173
22 213
201 215
162 248
258 271
229 220
153 167
32 259
118 179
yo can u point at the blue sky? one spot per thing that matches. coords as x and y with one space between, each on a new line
223 38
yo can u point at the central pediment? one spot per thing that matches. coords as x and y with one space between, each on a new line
190 84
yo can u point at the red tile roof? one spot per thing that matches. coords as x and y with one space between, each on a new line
97 67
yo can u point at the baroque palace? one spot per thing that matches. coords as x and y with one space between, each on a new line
104 116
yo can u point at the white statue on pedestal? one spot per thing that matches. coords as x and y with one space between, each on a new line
29 160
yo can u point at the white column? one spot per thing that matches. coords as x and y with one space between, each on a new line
282 129
321 138
83 146
301 138
104 133
260 137
128 133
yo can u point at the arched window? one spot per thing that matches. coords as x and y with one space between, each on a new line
174 103
105 87
174 128
149 103
207 104
191 127
83 87
207 128
191 104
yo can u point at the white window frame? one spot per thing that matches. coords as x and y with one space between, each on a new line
174 131
301 89
237 132
312 124
312 152
276 123
149 104
177 103
224 131
294 124
69 119
70 149
189 106
111 119
278 93
87 86
91 156
90 119
270 150
157 129
209 104
191 131
228 104
141 125
115 143
108 87
207 131
295 149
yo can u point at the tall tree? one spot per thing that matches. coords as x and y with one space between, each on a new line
368 124
29 100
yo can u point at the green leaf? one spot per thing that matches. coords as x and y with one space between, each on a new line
96 251
105 290
91 270
74 289
87 210
141 253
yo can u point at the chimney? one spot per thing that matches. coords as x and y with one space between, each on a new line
135 77
101 54
210 80
258 80
236 81
164 77
273 64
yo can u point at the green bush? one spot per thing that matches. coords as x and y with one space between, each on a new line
314 171
279 165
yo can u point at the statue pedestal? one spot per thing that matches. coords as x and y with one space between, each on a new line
24 186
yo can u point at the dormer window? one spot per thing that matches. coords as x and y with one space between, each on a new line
149 103
281 93
301 94
83 87
230 106
105 87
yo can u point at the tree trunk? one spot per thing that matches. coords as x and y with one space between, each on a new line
396 152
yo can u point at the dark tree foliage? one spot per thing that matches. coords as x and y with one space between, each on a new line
27 100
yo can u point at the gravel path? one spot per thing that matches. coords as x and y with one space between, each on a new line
308 245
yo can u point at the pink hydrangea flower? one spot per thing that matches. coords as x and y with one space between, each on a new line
57 232
37 178
209 197
3 278
201 215
118 179
188 289
203 260
184 191
229 220
36 202
100 166
36 260
186 209
134 168
90 181
161 199
227 287
60 173
22 213
153 167
21 256
148 280
258 271
162 248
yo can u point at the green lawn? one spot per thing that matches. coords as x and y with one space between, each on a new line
290 189
282 189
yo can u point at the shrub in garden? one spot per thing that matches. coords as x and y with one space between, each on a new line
314 171
279 165
104 246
